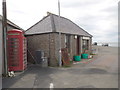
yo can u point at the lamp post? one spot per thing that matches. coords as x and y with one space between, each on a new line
4 27
60 61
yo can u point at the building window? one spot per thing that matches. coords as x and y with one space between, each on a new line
67 42
85 44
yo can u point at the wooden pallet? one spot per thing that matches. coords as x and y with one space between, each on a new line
65 56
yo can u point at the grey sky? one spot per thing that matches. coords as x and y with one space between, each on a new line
98 17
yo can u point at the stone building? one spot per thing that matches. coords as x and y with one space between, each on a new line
44 35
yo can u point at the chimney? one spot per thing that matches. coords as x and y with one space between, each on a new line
48 13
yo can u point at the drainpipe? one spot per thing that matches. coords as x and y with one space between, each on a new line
4 27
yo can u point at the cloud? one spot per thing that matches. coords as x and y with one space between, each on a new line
79 3
102 24
98 17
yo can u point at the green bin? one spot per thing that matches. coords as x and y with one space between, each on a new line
77 58
84 56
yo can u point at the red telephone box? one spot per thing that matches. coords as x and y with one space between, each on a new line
17 50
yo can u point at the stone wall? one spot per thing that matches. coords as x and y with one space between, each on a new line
45 42
50 44
37 42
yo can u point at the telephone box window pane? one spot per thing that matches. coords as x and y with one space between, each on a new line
14 39
14 43
14 46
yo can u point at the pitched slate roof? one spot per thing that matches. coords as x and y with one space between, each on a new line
11 23
52 23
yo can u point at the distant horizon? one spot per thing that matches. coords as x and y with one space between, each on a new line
106 42
113 44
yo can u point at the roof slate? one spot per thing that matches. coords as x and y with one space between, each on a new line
54 23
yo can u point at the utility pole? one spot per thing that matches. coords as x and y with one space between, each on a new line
4 27
60 61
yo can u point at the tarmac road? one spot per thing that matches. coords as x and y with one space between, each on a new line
102 72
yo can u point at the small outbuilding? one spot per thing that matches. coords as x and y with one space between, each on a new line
53 32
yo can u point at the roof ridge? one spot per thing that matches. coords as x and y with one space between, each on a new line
52 23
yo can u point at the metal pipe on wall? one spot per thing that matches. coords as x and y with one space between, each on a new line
60 62
4 27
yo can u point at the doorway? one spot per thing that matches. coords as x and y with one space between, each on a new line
78 45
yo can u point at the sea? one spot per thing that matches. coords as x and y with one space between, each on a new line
112 44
